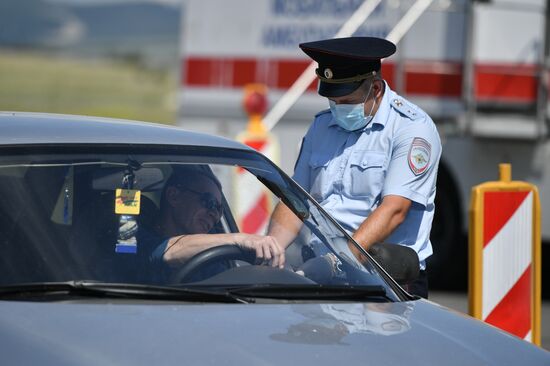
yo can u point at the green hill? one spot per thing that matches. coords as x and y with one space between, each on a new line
42 83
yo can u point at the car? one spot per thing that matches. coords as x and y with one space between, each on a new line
80 285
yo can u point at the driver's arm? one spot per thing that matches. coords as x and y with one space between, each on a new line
180 249
284 225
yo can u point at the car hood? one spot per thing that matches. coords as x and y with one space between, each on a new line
123 333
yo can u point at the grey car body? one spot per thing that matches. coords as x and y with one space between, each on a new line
86 329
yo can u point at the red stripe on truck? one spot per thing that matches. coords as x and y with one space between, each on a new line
493 82
433 78
513 83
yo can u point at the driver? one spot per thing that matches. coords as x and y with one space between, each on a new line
190 207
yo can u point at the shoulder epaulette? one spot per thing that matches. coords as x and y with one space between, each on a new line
406 108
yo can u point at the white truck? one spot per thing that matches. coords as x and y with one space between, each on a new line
479 68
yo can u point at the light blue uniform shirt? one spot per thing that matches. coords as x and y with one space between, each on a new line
349 173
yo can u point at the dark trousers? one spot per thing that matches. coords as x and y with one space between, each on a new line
420 286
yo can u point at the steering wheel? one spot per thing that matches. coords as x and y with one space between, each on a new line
211 255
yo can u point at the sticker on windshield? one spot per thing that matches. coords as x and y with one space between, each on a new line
127 201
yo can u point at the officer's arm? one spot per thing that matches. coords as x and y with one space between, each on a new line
382 222
284 225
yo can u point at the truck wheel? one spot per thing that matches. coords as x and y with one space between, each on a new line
446 266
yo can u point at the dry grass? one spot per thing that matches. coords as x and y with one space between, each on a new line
35 82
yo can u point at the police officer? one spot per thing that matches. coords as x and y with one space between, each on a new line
371 159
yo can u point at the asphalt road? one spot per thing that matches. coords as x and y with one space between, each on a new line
459 301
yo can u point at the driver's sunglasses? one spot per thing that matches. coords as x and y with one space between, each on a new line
208 201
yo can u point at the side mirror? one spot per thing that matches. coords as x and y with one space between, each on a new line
399 261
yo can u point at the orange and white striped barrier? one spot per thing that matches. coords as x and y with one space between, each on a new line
505 256
252 201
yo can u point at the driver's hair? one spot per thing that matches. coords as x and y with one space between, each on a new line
182 175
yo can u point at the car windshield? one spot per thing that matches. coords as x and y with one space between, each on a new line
111 214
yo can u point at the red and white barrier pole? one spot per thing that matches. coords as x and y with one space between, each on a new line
505 249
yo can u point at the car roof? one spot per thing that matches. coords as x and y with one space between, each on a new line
23 128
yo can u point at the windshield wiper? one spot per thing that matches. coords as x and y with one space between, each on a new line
313 292
45 290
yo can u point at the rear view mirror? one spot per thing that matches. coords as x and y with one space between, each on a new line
109 179
399 261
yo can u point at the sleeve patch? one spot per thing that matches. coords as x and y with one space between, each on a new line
419 155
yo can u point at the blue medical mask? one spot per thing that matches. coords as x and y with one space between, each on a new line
351 117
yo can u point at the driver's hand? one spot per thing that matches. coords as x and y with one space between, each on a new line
267 248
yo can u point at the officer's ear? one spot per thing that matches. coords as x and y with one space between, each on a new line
378 87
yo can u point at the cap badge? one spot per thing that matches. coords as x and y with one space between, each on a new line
328 73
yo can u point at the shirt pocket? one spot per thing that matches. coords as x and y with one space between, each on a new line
366 173
320 178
